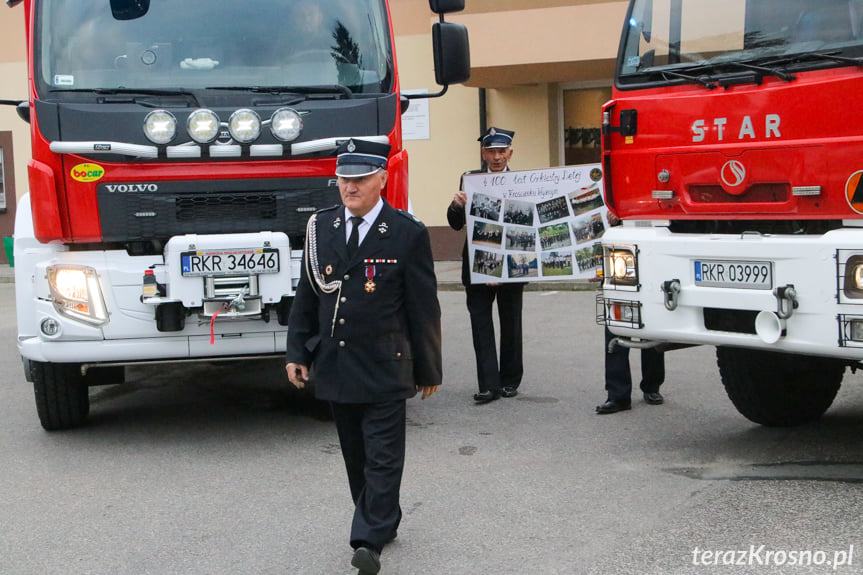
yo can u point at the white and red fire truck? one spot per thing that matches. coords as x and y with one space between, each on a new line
178 149
732 152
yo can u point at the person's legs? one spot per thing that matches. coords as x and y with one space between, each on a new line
618 377
378 513
652 375
480 299
349 420
509 306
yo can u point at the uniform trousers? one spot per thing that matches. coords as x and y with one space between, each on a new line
372 439
491 375
618 377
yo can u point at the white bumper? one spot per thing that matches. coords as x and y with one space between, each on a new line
130 333
820 322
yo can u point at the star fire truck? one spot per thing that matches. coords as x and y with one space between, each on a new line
732 151
178 149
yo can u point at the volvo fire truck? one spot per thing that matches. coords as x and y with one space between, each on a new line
178 150
733 152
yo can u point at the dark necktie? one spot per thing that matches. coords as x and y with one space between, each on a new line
354 239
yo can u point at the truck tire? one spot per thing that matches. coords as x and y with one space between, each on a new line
779 389
62 398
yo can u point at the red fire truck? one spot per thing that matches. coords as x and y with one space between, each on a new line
178 151
732 152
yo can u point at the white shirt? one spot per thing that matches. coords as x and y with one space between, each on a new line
367 222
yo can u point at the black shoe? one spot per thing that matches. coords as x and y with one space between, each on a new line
485 396
612 406
367 560
653 398
508 392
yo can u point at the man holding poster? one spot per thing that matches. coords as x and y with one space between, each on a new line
495 379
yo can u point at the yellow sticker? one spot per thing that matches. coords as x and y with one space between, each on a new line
87 172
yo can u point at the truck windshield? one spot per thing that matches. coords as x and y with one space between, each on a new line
197 44
700 40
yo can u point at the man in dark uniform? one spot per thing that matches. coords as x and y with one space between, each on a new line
495 379
365 330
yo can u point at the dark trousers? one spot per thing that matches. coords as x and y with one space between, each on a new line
618 377
372 438
490 374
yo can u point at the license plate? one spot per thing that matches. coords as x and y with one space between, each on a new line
734 274
230 262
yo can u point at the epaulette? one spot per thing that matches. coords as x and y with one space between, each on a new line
322 210
410 216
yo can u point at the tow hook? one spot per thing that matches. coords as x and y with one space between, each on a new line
786 301
671 289
238 303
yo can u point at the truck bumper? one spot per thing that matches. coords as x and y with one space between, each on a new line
130 331
809 306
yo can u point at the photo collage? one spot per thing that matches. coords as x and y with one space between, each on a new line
537 225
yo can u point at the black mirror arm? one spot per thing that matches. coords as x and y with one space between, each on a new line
421 96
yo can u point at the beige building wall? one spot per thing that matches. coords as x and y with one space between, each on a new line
13 86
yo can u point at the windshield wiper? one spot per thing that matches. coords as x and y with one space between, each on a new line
705 81
132 92
772 71
832 56
308 90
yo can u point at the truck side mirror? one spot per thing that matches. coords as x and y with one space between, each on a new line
451 53
129 9
446 6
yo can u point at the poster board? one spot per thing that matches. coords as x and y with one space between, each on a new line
538 225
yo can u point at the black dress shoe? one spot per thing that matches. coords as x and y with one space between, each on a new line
485 396
508 392
367 560
612 406
653 398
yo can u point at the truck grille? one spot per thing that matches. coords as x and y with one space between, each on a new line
177 208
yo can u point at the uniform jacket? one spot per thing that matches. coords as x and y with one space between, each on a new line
384 338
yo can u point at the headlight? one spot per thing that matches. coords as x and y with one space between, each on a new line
286 124
620 265
76 293
203 126
853 284
245 126
160 126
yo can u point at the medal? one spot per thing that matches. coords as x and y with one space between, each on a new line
370 279
328 270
